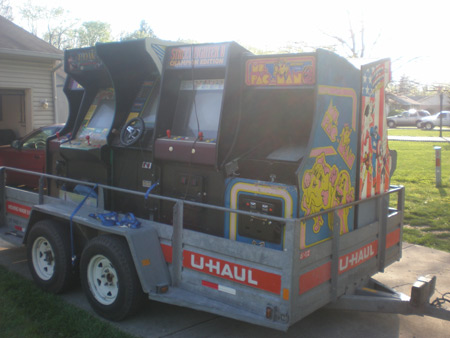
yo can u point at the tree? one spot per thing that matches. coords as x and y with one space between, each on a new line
61 31
6 10
60 28
355 44
407 87
58 22
144 31
92 32
33 15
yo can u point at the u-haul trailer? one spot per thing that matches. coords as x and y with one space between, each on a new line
259 285
260 184
273 288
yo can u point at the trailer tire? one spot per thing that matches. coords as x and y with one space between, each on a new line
109 278
49 258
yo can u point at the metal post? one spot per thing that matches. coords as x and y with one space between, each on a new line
335 255
101 198
441 98
383 208
401 200
438 166
41 189
177 242
295 225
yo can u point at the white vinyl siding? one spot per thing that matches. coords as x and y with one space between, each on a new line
36 79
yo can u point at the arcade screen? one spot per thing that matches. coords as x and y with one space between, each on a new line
99 117
198 108
74 85
146 103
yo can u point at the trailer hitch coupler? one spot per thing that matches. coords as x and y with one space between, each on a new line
422 290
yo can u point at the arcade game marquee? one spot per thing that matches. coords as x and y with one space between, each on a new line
260 184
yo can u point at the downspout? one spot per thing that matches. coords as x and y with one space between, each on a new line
55 95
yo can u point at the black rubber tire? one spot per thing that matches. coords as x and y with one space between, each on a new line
391 124
57 237
129 295
429 126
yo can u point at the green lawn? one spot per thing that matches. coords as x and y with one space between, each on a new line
26 311
427 208
413 131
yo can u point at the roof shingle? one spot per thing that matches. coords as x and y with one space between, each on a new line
15 38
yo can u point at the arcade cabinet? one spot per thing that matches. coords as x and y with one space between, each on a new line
296 147
111 74
198 110
84 154
137 91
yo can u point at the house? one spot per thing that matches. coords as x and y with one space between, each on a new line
433 103
31 77
397 102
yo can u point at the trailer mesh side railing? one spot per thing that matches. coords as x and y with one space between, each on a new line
291 224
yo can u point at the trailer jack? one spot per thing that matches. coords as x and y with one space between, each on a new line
377 297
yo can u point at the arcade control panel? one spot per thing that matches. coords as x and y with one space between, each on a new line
186 149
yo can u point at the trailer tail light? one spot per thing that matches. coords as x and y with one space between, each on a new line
286 294
269 312
162 288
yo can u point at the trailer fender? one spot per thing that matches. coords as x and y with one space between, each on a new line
149 259
35 216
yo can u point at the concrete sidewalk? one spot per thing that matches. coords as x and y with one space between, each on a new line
162 320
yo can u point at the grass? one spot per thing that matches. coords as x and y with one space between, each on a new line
26 311
413 131
427 208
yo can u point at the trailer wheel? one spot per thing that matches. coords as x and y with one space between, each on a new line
109 278
49 258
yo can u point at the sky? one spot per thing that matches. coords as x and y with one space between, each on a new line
414 35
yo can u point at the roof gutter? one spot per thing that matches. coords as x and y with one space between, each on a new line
30 54
55 93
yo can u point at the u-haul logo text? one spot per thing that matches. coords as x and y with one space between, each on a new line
234 272
355 258
322 273
215 267
18 209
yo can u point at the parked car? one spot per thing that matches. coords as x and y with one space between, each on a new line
410 117
430 122
27 153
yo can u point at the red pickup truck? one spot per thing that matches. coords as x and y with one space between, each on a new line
27 153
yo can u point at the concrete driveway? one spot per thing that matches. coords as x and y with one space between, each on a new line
162 320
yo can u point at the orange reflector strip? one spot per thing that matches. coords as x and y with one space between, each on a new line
286 294
145 262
